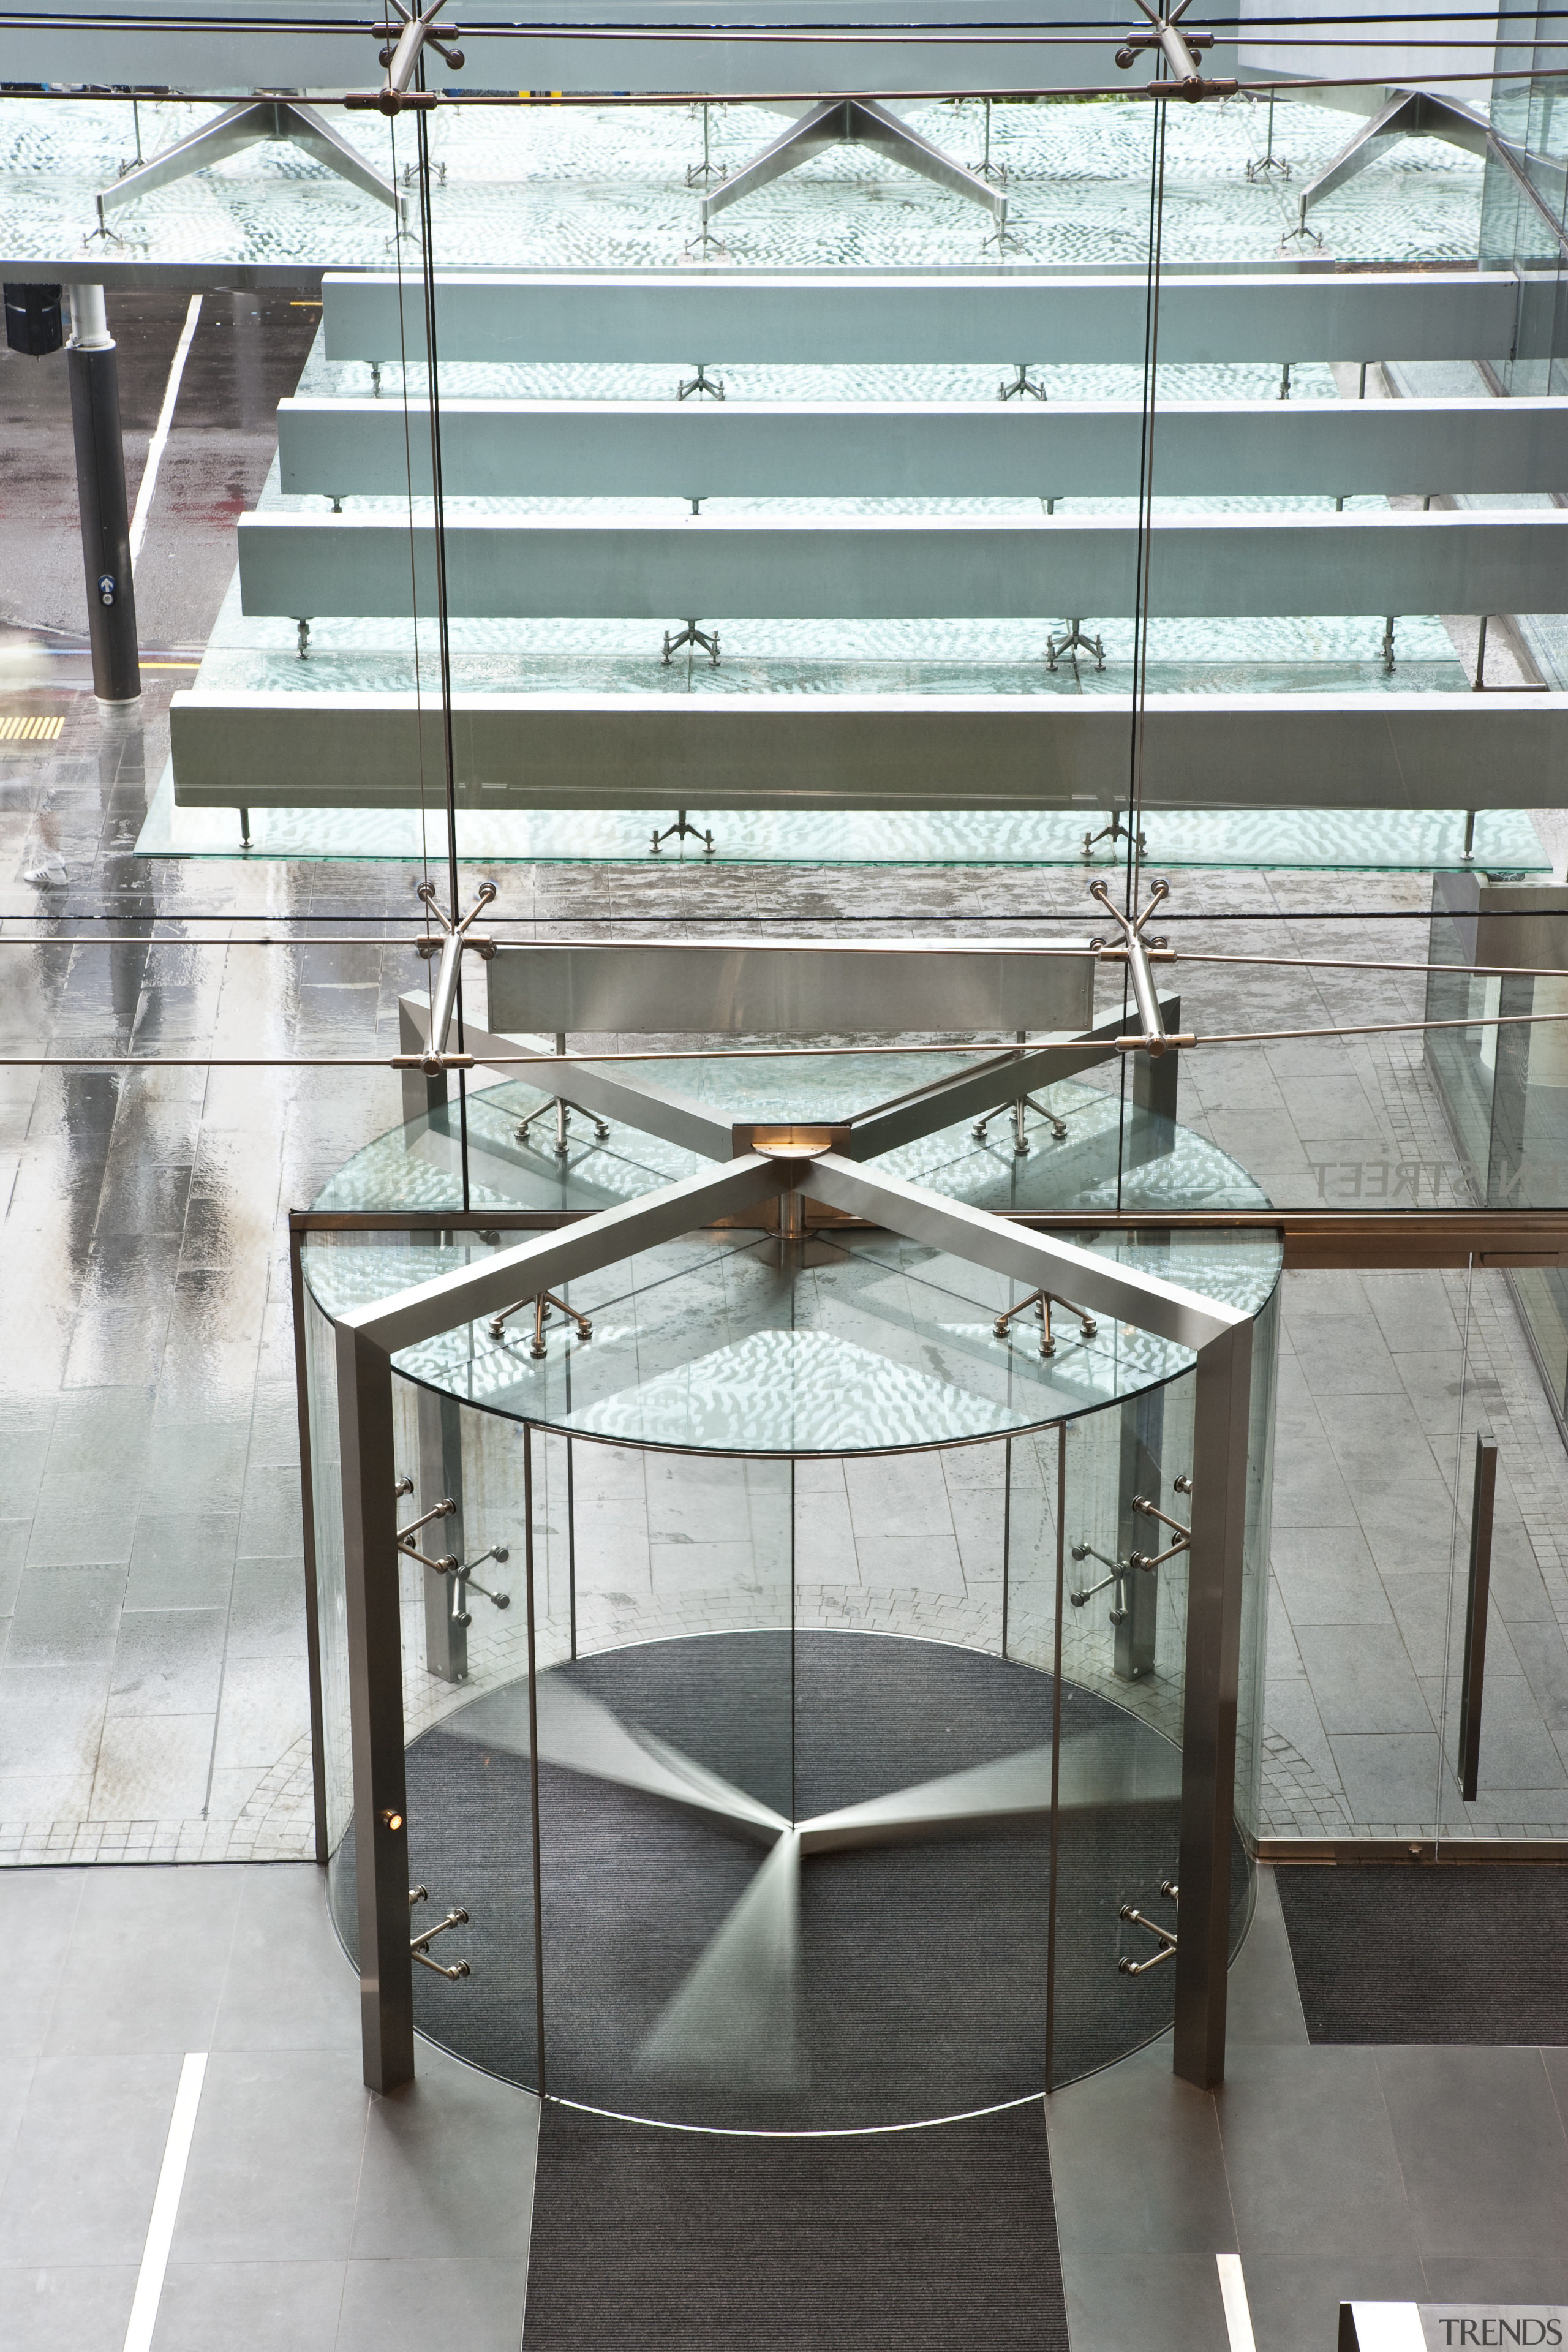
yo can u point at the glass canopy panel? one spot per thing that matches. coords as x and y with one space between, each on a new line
1327 840
711 1343
596 195
419 1165
595 189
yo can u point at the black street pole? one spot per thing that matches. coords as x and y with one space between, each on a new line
100 494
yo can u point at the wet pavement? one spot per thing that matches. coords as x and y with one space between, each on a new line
246 355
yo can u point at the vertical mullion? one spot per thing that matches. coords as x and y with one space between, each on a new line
374 1616
1210 1699
1006 1533
307 1536
533 1750
1055 1758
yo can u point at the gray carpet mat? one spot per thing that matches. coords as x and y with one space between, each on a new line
923 1977
1387 1952
941 2239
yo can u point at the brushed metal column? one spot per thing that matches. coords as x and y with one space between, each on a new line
100 496
440 1422
371 1577
1142 1442
1210 1699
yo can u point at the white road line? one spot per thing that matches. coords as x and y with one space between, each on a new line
1233 2293
166 2203
155 448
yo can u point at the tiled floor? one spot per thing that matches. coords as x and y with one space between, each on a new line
1397 2174
314 2218
317 2218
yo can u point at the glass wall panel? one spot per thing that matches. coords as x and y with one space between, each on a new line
1493 1689
1388 1380
1502 1073
667 1760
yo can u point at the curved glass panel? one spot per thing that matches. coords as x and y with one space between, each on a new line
871 1344
848 1760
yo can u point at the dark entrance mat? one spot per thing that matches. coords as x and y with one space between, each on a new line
919 1987
940 2240
1387 1952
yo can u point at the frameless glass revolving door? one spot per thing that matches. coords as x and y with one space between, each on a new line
793 1664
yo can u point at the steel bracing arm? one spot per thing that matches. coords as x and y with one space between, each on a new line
852 122
243 126
1409 114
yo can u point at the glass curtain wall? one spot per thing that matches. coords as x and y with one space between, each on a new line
380 621
1523 205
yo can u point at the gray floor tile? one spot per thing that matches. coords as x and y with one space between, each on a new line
86 2162
80 2307
65 1616
1326 1577
71 1533
147 1960
15 2082
51 1717
406 2306
15 1534
267 2306
1361 1679
289 1984
184 1561
274 2160
264 1705
1556 2064
269 1526
1293 1712
1118 2301
448 2166
1295 2301
1516 1752
146 1762
1410 1526
1136 2162
168 1662
1340 1355
1310 2154
1497 2279
1543 1653
1393 1776
1518 1592
37 1912
267 1610
199 1465
1425 1609
101 1434
1264 2002
1445 2103
26 1424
